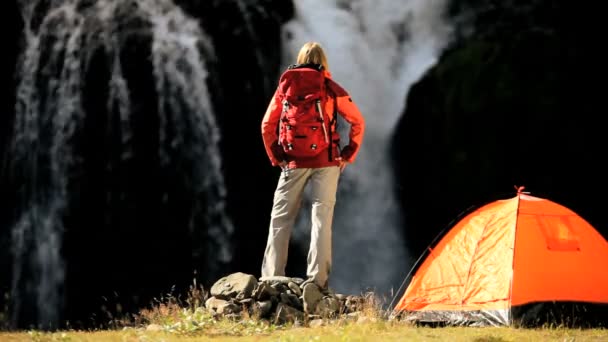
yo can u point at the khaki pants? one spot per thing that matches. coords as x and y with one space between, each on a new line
287 200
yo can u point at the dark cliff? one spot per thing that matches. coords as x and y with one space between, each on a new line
512 102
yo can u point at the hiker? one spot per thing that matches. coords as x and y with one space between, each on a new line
309 154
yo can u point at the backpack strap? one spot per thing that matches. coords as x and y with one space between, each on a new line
334 123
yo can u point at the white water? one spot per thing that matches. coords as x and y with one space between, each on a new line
46 125
376 49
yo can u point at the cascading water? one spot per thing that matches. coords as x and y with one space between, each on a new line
377 50
59 45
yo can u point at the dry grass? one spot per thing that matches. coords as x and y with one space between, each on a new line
378 331
172 319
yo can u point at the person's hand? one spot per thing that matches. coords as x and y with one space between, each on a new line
343 163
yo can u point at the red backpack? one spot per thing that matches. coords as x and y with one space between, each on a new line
304 129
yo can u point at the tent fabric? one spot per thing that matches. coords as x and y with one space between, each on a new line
508 253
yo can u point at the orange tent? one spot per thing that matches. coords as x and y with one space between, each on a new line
506 261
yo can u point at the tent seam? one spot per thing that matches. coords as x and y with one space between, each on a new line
510 310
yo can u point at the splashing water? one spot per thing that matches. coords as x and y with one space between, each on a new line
50 112
377 50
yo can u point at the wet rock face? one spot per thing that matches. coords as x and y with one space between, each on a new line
119 206
246 36
12 25
280 300
510 102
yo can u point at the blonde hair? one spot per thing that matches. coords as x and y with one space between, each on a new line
312 52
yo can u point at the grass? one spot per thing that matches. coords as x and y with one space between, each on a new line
171 319
337 331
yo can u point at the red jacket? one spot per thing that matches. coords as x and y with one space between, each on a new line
346 108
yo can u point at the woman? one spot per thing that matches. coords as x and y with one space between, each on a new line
320 169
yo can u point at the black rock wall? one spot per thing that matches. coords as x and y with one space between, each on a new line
512 102
12 26
134 228
247 39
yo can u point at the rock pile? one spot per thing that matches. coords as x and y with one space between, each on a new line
280 300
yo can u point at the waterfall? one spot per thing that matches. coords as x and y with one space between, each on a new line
59 42
377 50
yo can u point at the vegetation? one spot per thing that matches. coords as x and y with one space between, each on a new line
334 331
171 319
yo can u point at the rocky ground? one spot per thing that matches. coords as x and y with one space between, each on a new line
284 300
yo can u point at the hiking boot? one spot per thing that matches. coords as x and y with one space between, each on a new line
325 290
